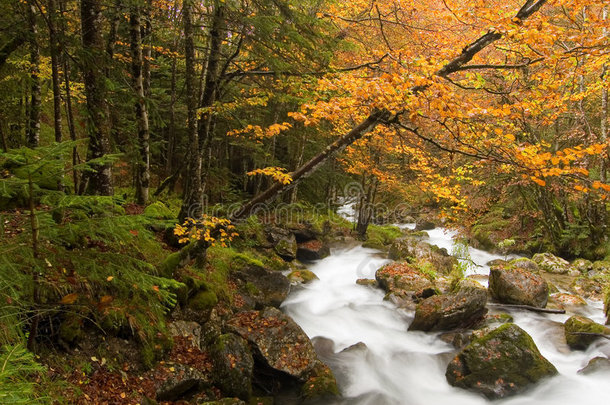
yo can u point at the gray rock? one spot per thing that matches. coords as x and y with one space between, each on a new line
461 309
188 330
262 287
595 365
518 286
277 340
312 250
233 364
552 264
182 382
284 242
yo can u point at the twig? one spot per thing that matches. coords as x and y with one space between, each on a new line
528 307
590 334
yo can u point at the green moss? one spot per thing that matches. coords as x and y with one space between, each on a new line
158 210
203 300
579 324
321 384
383 235
302 276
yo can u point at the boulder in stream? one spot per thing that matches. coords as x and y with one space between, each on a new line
552 264
461 309
501 363
512 285
595 365
411 249
312 250
404 280
581 332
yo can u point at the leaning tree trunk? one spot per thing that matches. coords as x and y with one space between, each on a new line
143 159
192 202
33 127
379 116
99 182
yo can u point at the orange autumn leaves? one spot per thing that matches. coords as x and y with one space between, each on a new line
530 107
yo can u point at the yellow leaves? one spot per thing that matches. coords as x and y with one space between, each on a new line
538 181
69 299
276 173
214 230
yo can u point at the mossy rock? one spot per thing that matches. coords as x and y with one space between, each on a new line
203 301
576 329
302 276
71 329
321 384
158 210
233 365
501 363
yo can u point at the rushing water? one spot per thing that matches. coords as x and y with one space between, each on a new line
397 367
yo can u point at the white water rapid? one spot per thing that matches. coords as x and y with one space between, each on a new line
364 339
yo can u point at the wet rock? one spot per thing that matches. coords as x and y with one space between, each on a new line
417 251
233 364
568 299
501 363
277 340
404 280
582 265
183 381
321 384
262 287
599 267
367 282
497 262
552 264
283 241
302 276
587 288
525 264
424 225
312 250
518 286
580 332
461 309
457 339
595 365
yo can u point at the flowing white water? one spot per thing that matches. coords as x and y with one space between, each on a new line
397 367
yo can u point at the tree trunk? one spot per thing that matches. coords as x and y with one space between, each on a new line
210 85
143 163
374 119
99 182
68 106
55 49
33 127
192 202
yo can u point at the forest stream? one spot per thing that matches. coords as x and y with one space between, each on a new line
365 341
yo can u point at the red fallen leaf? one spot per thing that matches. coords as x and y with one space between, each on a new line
134 232
9 300
156 288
